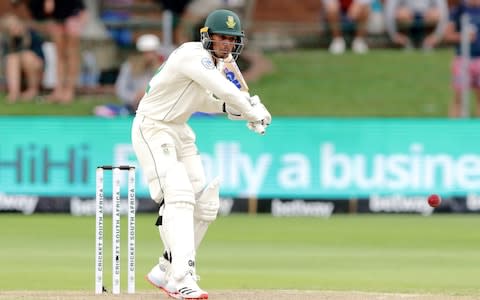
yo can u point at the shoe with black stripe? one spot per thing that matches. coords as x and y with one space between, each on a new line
187 288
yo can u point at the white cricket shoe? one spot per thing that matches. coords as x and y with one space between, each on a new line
337 46
158 277
186 288
359 46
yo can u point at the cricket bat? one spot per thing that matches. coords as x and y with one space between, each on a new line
231 71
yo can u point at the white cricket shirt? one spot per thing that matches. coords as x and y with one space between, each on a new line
184 84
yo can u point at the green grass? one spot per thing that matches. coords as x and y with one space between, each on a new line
387 83
387 253
383 83
83 105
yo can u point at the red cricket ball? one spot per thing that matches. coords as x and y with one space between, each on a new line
434 200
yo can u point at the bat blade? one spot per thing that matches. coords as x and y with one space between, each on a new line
233 74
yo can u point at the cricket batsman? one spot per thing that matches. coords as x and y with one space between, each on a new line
194 78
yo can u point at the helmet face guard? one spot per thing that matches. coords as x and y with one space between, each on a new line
223 22
207 43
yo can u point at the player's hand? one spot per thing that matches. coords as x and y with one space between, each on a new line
258 113
235 115
255 114
257 127
258 117
267 120
260 126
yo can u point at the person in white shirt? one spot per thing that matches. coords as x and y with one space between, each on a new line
408 15
189 81
136 72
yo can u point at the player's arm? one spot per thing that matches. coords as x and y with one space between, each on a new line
233 74
212 105
201 69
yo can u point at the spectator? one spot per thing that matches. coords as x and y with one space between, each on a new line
347 11
409 19
22 48
452 34
173 11
66 19
137 71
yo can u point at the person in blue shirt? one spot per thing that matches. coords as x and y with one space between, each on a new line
453 35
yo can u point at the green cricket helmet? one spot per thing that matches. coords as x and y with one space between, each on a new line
224 22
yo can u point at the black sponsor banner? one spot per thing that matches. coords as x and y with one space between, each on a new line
28 204
71 205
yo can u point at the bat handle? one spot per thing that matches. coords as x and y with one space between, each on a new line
256 127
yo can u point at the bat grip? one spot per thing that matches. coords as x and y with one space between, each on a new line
256 127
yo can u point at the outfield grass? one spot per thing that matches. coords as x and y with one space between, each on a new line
82 106
385 253
383 83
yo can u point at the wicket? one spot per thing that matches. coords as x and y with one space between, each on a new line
99 208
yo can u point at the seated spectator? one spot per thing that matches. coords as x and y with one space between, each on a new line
453 35
352 11
173 11
22 48
137 71
410 19
65 21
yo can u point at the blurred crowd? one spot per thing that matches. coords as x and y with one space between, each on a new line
409 23
43 51
24 53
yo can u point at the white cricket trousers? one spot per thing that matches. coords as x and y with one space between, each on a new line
158 145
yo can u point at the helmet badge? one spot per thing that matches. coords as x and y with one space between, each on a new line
230 22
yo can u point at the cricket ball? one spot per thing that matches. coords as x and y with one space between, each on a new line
434 200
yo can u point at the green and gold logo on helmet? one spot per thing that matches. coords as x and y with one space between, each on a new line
230 22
